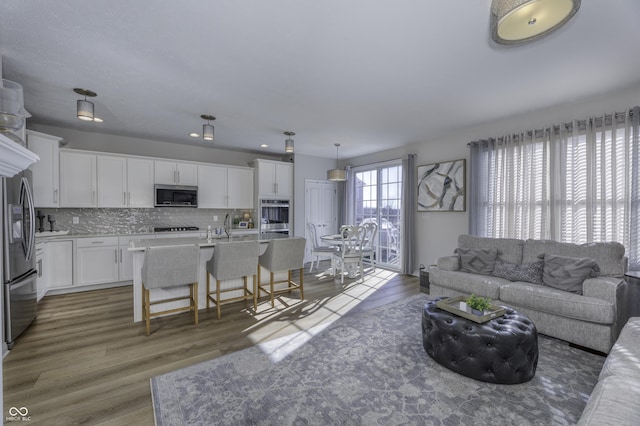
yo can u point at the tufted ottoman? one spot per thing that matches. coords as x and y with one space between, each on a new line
502 350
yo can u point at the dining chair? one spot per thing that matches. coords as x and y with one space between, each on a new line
318 250
350 252
368 245
230 260
166 267
285 254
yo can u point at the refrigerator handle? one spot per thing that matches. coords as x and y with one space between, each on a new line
30 238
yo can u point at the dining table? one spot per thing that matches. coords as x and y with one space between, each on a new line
336 241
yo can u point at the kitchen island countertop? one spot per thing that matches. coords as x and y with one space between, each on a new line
142 243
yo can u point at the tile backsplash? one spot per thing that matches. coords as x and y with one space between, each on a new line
128 220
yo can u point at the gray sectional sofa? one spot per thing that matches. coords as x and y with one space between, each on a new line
615 399
587 310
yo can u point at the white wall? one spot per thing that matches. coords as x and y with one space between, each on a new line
437 233
91 141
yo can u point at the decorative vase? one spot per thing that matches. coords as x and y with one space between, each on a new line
477 312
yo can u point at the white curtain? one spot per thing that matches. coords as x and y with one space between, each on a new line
409 206
574 182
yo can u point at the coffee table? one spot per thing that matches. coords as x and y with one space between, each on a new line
503 350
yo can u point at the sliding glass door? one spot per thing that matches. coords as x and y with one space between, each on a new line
378 192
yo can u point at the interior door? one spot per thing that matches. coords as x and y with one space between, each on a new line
321 209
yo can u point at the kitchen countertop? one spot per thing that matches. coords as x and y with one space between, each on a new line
72 234
141 244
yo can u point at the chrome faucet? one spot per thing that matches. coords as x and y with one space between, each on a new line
227 225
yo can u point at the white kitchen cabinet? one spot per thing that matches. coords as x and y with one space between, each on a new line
176 173
58 264
274 179
124 181
225 187
97 260
125 264
41 283
78 183
46 172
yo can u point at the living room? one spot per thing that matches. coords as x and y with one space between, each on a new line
437 232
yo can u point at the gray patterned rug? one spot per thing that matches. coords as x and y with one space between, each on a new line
370 369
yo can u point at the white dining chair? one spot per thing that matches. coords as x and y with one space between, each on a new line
368 245
350 252
318 250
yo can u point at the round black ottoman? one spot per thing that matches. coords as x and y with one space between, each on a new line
503 350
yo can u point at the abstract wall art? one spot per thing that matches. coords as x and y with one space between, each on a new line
441 187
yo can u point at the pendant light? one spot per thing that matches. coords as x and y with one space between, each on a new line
85 107
288 143
207 129
337 175
519 21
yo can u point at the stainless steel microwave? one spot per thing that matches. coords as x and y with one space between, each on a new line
176 196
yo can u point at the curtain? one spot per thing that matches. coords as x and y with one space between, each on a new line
349 198
409 194
573 182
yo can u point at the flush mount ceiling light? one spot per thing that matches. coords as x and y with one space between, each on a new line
288 143
337 175
519 21
207 129
85 107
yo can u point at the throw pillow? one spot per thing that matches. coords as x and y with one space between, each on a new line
477 261
527 272
568 273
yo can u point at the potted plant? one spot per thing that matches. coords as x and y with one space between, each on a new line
478 304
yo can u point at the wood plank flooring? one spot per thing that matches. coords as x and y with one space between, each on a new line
84 361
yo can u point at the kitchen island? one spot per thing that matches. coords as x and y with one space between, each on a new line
138 247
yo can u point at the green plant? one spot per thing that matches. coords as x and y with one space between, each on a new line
478 303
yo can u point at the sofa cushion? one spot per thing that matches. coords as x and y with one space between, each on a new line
568 273
527 272
449 263
609 256
624 358
558 302
613 402
466 283
510 249
477 261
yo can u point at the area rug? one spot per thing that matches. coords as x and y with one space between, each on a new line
370 368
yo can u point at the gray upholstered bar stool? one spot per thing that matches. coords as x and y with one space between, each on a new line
166 267
233 260
286 254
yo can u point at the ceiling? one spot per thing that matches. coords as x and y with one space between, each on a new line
368 75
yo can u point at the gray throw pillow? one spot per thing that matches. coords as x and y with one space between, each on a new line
568 273
477 261
526 272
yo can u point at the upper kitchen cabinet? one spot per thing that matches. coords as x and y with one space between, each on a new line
225 187
273 179
78 183
125 181
176 173
46 172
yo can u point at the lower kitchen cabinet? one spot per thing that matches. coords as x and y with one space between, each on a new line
58 264
125 265
97 261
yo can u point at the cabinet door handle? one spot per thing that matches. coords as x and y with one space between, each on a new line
178 176
120 255
116 253
97 242
93 196
128 198
124 198
40 268
55 195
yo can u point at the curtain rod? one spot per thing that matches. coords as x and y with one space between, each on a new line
581 124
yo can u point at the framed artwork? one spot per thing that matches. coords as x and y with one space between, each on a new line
441 187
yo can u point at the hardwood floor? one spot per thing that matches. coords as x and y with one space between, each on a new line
84 361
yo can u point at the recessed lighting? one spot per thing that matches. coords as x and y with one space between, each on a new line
98 120
194 135
264 145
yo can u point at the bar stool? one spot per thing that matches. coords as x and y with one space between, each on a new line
233 260
166 267
285 254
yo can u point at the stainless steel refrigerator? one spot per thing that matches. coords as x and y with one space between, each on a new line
18 243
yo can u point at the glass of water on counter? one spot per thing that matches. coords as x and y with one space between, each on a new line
12 113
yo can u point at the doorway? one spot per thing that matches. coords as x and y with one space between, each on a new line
321 209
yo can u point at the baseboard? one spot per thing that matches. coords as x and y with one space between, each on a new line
584 348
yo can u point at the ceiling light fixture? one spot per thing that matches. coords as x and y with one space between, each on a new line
194 135
85 107
519 21
288 143
207 129
337 175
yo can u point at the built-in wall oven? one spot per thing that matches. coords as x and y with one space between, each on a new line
274 216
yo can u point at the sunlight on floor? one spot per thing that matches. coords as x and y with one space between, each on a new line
293 322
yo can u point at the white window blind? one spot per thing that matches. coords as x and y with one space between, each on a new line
571 183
